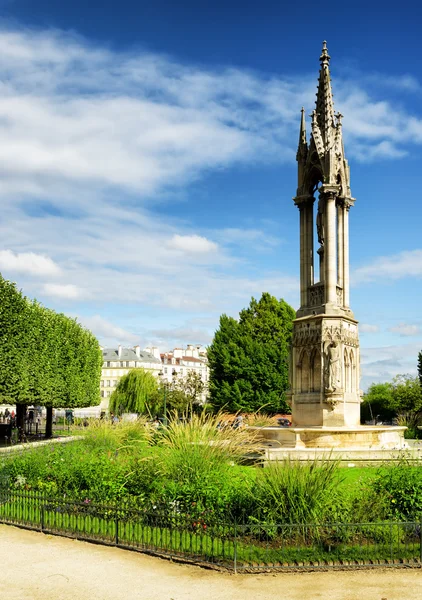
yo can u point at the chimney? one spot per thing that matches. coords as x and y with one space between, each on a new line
156 352
177 353
137 351
119 351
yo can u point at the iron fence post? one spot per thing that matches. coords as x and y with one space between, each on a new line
235 547
391 540
42 514
117 529
420 539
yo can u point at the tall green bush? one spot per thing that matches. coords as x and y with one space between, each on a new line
47 359
248 358
291 492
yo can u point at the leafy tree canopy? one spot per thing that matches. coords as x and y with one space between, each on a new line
136 392
47 358
248 358
401 395
420 367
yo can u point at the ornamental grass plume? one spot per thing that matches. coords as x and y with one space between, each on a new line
103 433
259 419
210 438
288 491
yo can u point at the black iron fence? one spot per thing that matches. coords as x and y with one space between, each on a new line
233 545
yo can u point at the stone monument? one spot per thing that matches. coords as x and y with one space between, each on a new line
324 370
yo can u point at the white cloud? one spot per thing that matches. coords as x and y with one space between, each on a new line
93 140
107 332
179 336
397 266
66 291
384 363
75 114
405 329
367 328
192 244
28 263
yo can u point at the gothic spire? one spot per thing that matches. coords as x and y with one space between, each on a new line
302 149
324 102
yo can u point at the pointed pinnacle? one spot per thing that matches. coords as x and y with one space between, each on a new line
303 144
302 122
325 57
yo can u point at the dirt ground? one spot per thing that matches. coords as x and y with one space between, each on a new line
35 566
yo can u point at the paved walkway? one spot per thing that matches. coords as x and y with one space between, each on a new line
42 567
30 445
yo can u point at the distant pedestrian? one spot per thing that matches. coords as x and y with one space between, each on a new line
238 422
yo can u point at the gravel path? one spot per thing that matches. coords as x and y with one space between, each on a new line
35 566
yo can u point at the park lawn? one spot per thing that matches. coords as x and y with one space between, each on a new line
352 476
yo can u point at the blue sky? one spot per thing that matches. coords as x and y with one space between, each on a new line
147 162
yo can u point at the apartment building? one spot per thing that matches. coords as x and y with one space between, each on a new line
118 362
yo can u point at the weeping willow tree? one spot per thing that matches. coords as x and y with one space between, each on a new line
136 392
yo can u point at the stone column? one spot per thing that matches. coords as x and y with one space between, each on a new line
330 249
309 245
302 256
340 243
346 293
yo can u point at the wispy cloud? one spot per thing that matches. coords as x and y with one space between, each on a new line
396 266
28 263
406 329
368 328
93 143
195 244
384 363
65 291
108 332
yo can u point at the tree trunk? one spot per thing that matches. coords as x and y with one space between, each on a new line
49 423
20 420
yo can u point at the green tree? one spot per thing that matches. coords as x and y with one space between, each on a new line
407 394
400 397
192 386
136 392
378 402
249 358
47 358
420 367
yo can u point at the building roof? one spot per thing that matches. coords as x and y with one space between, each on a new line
129 354
178 360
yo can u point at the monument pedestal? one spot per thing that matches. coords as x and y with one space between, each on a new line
353 438
350 446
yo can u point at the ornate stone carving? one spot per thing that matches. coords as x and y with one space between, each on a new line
332 401
339 295
340 333
316 295
307 334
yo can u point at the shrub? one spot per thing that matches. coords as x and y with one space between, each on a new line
400 485
291 492
197 463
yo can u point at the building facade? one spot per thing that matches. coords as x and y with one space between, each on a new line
118 362
168 366
179 362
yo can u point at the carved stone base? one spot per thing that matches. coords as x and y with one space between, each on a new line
361 437
324 372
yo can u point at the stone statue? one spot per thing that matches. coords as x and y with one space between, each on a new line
320 223
333 368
